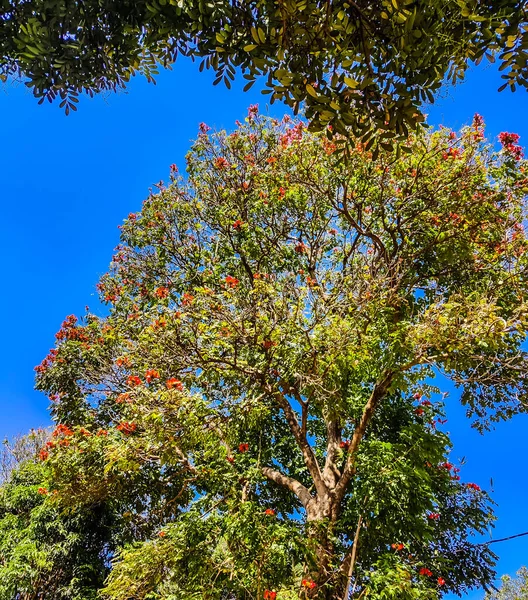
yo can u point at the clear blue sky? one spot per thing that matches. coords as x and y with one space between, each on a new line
67 182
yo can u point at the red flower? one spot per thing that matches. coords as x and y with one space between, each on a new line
345 444
441 581
268 344
123 398
397 547
300 248
230 459
133 381
204 128
243 447
126 427
62 429
42 491
43 454
187 299
221 163
269 512
123 361
433 516
419 411
473 486
426 572
162 534
174 383
308 583
509 143
102 432
232 282
269 595
151 374
238 224
162 292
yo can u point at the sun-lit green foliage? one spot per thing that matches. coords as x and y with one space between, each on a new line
512 588
261 394
44 552
353 63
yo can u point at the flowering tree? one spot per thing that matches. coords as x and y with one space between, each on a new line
261 392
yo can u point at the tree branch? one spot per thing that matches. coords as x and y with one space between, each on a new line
309 457
288 482
378 393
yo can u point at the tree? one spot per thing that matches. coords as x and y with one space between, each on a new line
20 449
275 324
358 64
512 588
45 552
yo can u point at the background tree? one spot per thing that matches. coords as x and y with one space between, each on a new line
20 449
45 552
512 588
358 64
275 324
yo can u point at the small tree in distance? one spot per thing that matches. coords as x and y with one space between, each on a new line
275 326
513 588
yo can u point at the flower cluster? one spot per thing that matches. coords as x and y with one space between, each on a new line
509 143
126 427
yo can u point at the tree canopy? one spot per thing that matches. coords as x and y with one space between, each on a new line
47 552
355 64
260 398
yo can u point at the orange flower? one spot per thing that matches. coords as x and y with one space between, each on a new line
232 282
238 224
300 248
151 374
42 491
268 344
269 512
62 430
126 427
162 292
308 583
123 398
269 595
187 299
221 163
174 383
162 534
397 547
133 381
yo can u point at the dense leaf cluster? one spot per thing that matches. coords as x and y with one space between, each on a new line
355 64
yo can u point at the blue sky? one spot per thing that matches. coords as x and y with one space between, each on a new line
67 182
